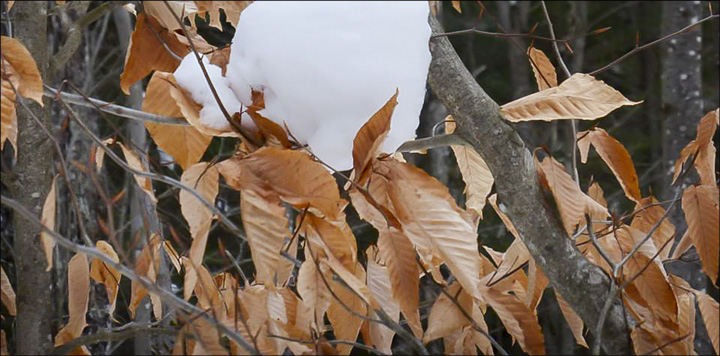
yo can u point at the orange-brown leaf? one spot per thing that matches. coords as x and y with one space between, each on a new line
203 178
518 319
378 280
475 173
573 320
545 75
445 315
703 147
370 137
710 313
48 219
700 204
7 294
78 289
232 11
615 156
103 273
646 219
579 97
346 325
29 82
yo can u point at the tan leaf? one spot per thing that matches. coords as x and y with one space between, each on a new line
475 173
615 156
3 342
441 224
48 220
207 338
573 320
134 162
292 175
313 291
370 137
346 325
335 237
572 203
147 53
648 215
579 97
481 341
703 147
545 75
267 228
78 289
710 315
164 17
398 255
537 282
378 280
505 219
101 272
232 11
145 266
651 282
29 82
700 204
7 293
196 255
220 57
203 178
445 316
518 319
456 6
185 143
8 116
686 313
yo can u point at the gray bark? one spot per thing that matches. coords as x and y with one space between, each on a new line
582 284
33 329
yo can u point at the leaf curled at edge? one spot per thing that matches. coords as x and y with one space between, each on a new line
101 272
615 156
475 173
545 75
700 204
370 137
703 147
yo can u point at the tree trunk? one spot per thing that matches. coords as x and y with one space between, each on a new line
33 329
583 285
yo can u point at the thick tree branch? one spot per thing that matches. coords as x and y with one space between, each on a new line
583 285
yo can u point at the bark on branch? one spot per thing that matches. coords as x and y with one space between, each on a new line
479 121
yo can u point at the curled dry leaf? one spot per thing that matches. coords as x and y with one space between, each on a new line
103 273
147 51
475 173
315 295
648 214
78 289
145 183
7 294
573 320
203 178
292 175
164 17
686 313
710 314
703 147
445 315
572 203
335 237
232 11
545 75
354 294
615 156
370 137
579 97
146 266
700 204
378 280
184 143
48 220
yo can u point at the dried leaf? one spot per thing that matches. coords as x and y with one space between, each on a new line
441 224
346 325
134 162
710 314
686 313
47 218
185 143
378 280
370 137
537 282
579 97
101 272
203 178
78 289
292 175
3 341
145 266
545 75
335 237
445 316
456 6
313 291
505 219
8 116
7 294
475 173
648 215
704 148
164 17
21 64
571 201
267 228
147 53
573 320
700 204
232 11
615 156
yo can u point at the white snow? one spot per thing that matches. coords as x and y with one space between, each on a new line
325 68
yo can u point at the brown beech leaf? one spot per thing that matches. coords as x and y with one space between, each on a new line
370 137
232 11
185 143
8 116
18 63
537 282
651 282
267 228
648 215
456 6
145 265
686 313
220 57
354 294
203 178
378 280
292 175
703 147
48 220
7 294
147 53
335 237
441 224
101 272
445 316
573 320
545 75
579 97
134 162
615 156
710 314
700 204
78 289
3 341
315 294
571 201
475 173
164 17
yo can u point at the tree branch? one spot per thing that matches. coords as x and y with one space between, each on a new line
481 124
